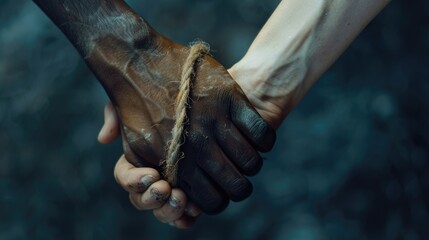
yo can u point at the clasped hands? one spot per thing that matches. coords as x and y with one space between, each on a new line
228 122
141 71
224 131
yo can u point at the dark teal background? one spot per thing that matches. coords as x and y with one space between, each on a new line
351 161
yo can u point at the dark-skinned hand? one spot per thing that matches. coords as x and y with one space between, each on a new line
140 70
224 131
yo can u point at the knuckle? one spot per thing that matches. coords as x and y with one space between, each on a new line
240 189
158 193
259 128
159 215
252 165
128 183
124 182
197 139
225 95
263 134
134 202
211 204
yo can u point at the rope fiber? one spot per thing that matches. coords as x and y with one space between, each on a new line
174 153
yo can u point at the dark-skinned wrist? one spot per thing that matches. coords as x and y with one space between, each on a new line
106 33
87 23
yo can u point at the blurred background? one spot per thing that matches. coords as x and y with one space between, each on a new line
351 161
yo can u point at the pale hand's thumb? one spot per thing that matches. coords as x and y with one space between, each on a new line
110 130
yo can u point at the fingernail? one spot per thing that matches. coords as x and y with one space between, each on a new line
158 195
173 202
172 224
147 180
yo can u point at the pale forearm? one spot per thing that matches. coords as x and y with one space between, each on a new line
299 42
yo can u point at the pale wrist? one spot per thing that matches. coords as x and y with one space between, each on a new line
275 79
248 74
254 79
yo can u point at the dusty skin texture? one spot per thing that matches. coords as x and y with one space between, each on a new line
140 70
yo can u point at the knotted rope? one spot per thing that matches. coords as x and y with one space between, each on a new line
174 153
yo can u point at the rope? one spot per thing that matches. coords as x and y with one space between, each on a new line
174 153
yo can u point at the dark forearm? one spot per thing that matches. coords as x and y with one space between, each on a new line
106 33
86 22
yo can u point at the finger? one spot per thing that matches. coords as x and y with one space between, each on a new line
173 209
192 209
225 174
185 222
140 153
238 150
110 129
250 123
200 189
132 179
154 197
